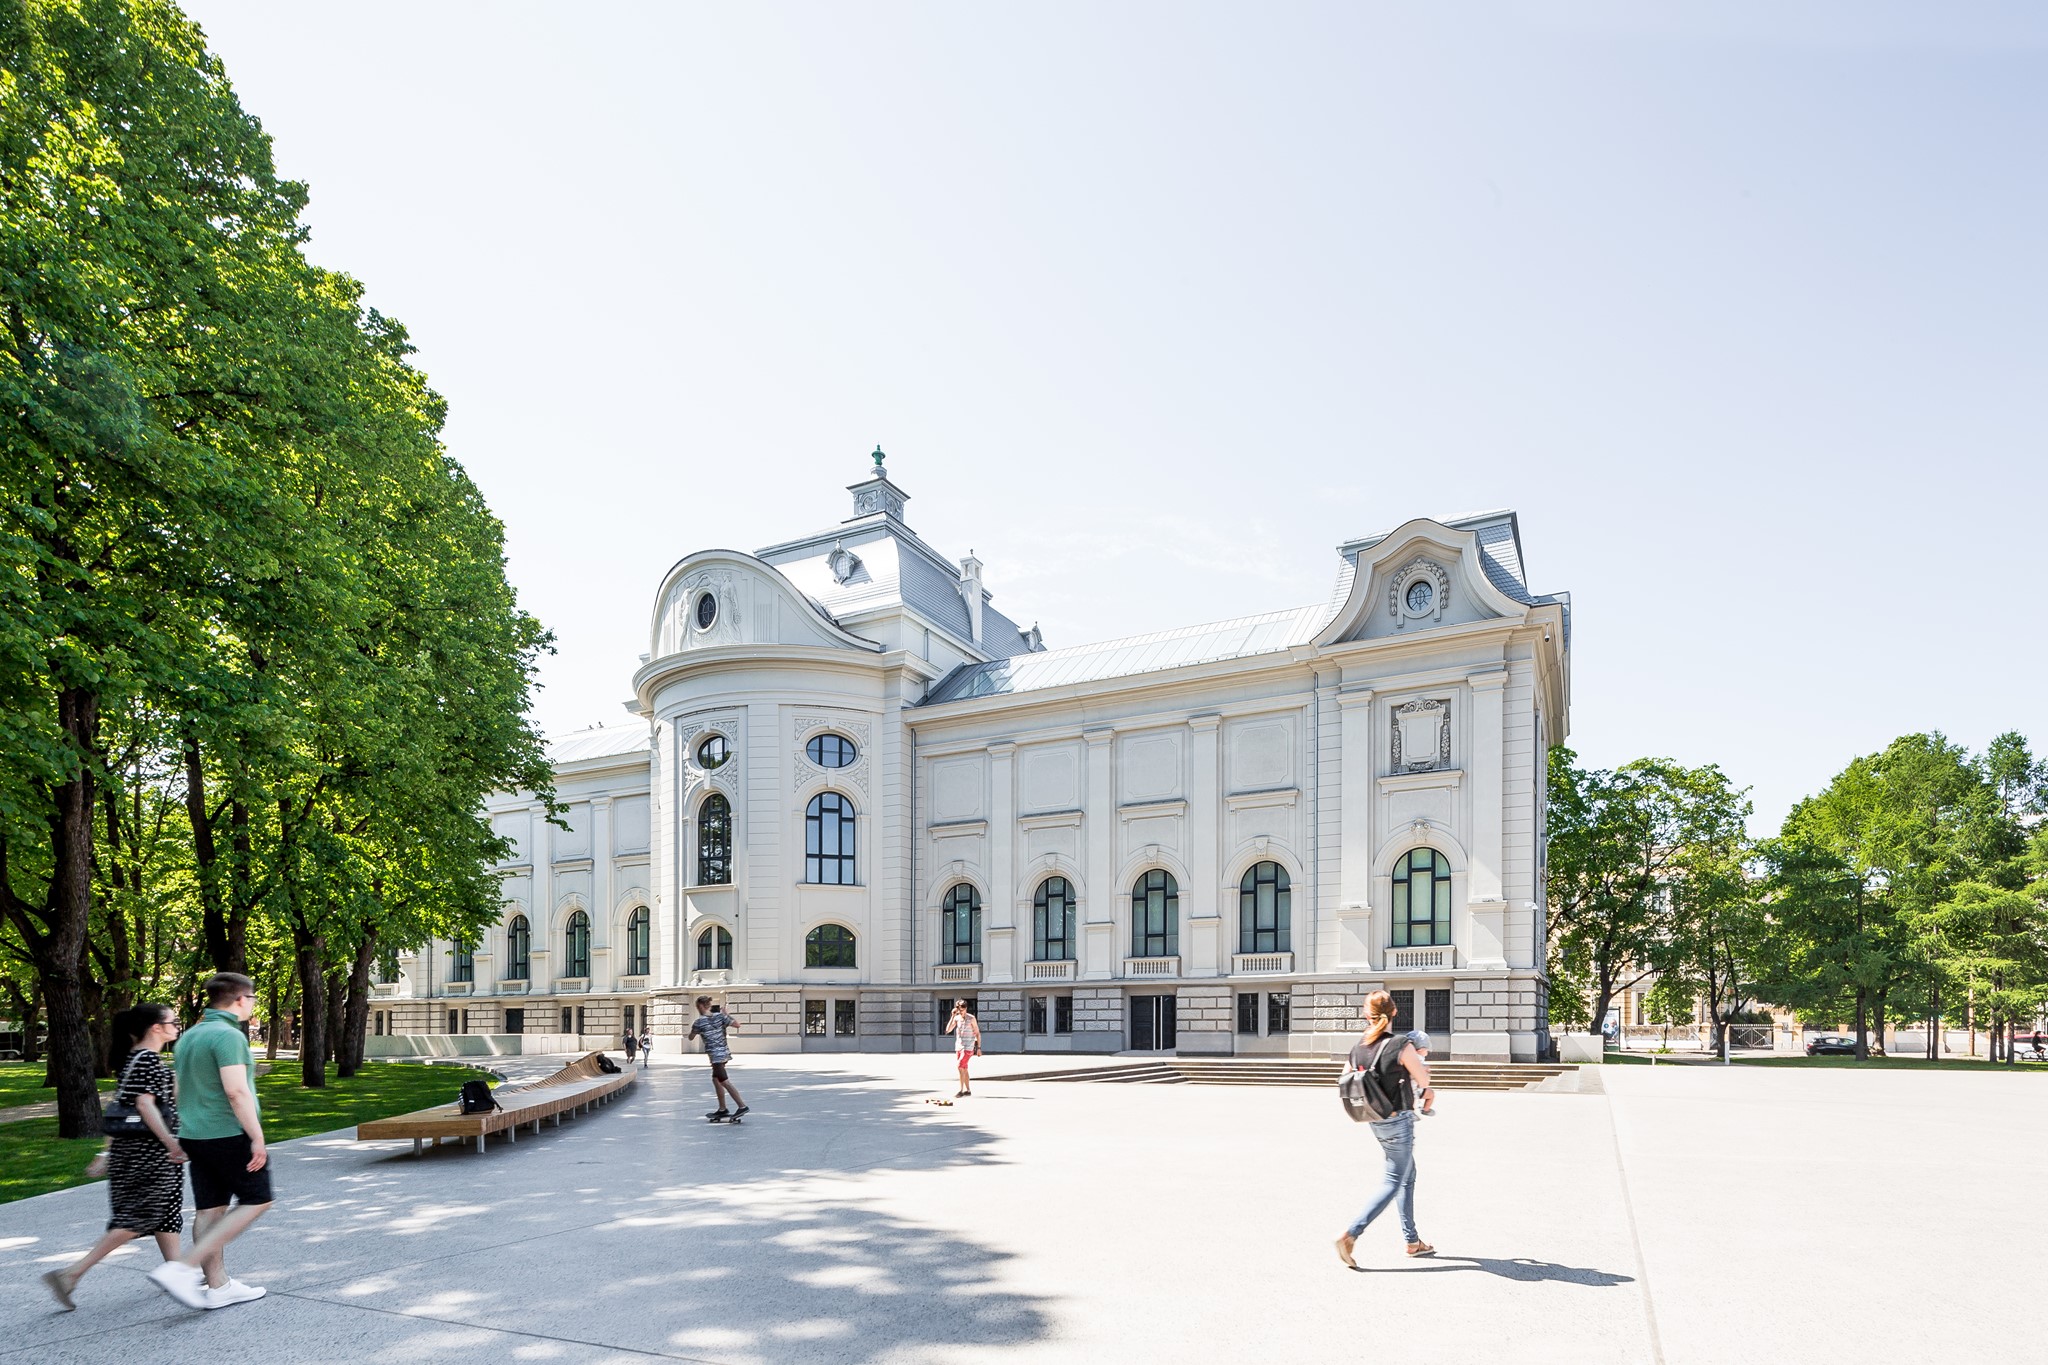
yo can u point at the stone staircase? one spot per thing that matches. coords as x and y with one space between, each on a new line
1291 1071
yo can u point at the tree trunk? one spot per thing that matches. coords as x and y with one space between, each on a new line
59 954
1877 1005
337 999
1862 1025
272 1023
356 1019
311 948
206 861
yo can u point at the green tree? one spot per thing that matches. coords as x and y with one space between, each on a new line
1620 843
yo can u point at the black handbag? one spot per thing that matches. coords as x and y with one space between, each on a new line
121 1118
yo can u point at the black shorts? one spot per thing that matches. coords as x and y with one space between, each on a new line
220 1171
718 1071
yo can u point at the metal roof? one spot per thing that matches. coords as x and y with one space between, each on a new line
1247 635
599 741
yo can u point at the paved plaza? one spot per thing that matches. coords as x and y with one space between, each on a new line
1683 1214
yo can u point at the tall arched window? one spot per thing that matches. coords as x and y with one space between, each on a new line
960 928
465 964
828 840
576 945
714 949
387 965
639 941
829 945
518 949
1422 899
1264 906
1155 915
1052 921
714 841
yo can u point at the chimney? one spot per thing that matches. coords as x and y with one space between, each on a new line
970 589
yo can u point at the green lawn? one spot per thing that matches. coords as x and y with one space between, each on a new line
34 1160
1896 1063
22 1083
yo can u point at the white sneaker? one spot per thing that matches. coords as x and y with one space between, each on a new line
234 1291
182 1282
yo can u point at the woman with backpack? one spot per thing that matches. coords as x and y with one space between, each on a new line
1397 1070
147 1171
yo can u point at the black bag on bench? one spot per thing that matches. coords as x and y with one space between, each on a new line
607 1065
477 1098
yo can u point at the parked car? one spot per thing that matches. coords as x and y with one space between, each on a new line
1831 1045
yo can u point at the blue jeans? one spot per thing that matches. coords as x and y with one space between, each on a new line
1397 1142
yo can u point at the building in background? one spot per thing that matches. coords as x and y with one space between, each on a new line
855 790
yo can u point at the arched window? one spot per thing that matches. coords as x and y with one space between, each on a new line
639 941
829 945
1155 915
960 930
518 949
828 840
576 957
714 949
465 964
1422 899
714 841
1264 905
1052 921
387 965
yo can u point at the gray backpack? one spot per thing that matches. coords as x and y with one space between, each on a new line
1365 1100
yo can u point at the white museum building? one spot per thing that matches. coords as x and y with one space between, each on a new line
854 791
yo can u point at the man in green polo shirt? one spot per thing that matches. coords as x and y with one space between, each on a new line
222 1135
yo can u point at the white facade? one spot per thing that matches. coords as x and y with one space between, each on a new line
1380 756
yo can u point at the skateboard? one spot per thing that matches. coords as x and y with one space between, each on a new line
725 1118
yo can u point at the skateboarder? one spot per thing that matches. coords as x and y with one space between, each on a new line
966 1031
711 1024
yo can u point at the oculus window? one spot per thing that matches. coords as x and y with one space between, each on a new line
830 751
714 753
1422 899
707 610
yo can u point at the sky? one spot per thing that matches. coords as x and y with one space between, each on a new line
1152 305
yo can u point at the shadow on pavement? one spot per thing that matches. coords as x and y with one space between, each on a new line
1519 1268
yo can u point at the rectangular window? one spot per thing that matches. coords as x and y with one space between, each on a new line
1436 1012
1247 1012
1063 1014
565 1018
454 1019
942 1011
1038 1014
1404 1010
842 1019
814 1019
1279 1011
515 1021
579 1020
380 1023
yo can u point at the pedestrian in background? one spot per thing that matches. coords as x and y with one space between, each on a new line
146 1177
966 1031
632 1044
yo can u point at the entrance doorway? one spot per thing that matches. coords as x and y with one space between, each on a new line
1153 1023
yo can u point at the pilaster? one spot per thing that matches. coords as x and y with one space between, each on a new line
999 954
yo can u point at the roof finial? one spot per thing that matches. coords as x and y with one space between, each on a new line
878 461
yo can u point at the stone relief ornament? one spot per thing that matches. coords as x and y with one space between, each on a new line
1422 735
1420 591
689 612
855 772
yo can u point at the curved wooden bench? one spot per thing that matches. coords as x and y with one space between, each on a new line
578 1086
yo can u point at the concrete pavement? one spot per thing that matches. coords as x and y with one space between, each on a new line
1685 1215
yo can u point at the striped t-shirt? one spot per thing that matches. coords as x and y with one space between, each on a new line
712 1027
